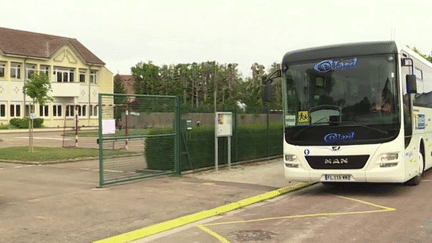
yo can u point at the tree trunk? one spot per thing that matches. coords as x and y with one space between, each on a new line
31 129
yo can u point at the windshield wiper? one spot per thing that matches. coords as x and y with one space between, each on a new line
295 135
384 132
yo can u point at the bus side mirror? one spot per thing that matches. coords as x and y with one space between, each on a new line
267 93
411 82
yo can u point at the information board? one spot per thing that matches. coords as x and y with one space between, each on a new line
223 124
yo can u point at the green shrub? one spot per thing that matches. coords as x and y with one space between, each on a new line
38 122
23 123
159 151
14 122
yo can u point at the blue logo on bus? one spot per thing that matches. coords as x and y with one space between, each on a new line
421 122
337 137
333 65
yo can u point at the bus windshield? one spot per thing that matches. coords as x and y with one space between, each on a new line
350 100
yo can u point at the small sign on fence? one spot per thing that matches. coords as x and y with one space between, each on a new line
108 126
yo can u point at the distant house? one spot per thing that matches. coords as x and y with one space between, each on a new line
77 77
128 82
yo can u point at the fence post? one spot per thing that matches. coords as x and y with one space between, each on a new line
177 139
268 131
101 172
235 135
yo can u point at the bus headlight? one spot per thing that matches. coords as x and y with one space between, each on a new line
389 160
291 161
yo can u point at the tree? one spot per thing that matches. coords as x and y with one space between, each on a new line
118 85
147 78
37 88
427 57
119 89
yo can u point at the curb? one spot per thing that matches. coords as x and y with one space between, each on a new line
184 220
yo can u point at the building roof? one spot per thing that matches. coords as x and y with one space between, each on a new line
24 43
128 81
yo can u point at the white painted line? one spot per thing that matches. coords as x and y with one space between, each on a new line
45 138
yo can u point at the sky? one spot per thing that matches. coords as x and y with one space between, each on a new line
123 33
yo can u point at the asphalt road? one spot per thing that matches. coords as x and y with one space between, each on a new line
347 213
46 139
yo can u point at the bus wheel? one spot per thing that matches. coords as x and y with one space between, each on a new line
417 179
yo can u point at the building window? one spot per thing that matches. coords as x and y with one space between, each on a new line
2 110
15 110
82 110
64 75
93 77
44 69
93 110
2 70
15 71
27 110
82 76
78 110
43 111
70 110
57 110
30 70
418 73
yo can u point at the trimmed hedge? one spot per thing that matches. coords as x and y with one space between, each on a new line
252 143
24 122
159 151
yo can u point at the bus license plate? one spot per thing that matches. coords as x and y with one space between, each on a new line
337 177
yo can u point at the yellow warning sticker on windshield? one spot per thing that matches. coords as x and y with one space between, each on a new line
303 117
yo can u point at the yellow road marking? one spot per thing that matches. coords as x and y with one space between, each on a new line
174 223
380 210
211 232
368 203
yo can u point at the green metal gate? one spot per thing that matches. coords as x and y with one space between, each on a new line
134 130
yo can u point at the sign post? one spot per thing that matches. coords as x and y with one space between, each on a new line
223 128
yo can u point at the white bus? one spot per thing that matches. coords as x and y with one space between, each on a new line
357 113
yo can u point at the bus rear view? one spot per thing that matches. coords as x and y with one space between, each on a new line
349 116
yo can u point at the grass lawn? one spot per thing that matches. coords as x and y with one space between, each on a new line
48 154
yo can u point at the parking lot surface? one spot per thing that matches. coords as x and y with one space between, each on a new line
344 213
61 202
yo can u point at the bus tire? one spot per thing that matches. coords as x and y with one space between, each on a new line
417 179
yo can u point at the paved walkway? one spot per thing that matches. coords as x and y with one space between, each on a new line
61 202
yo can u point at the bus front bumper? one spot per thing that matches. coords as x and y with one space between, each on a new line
378 175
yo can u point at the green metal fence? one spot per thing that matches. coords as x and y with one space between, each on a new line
125 126
152 136
257 133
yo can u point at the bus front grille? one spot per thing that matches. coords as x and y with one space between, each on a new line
337 162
